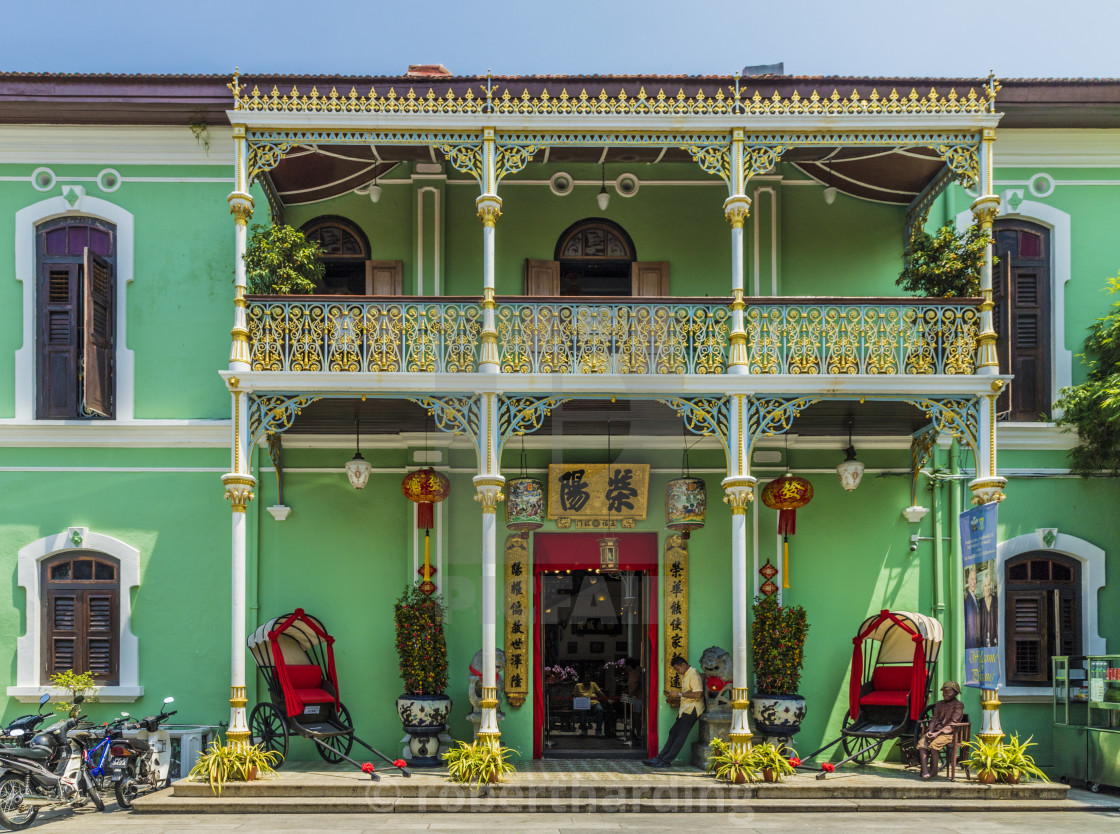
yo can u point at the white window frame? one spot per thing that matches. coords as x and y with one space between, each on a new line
27 220
29 647
1092 561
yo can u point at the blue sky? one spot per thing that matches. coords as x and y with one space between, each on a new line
1028 38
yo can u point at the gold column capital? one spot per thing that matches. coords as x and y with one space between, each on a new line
239 490
986 490
241 207
985 209
489 208
738 492
488 492
736 209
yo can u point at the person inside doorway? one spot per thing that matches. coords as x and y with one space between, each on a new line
634 696
587 688
691 708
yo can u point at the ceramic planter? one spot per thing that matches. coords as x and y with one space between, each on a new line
986 778
777 715
424 717
768 775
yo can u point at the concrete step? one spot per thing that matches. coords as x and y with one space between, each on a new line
166 803
692 786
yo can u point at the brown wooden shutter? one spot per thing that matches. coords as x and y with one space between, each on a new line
63 623
100 609
542 277
1022 316
650 279
97 338
1027 628
59 290
384 277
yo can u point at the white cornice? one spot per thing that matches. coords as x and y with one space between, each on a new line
1057 148
1034 436
111 145
116 433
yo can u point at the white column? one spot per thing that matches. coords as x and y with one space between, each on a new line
736 209
488 492
489 207
984 210
239 483
738 489
987 486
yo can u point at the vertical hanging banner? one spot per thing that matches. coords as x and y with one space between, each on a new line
518 576
676 612
981 597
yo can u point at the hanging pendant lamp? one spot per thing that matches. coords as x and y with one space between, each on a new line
358 468
524 501
686 501
603 198
851 470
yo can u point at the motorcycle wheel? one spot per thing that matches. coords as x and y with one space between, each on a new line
126 792
14 815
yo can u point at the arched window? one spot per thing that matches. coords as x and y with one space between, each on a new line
596 257
346 258
1021 292
76 327
1042 614
81 607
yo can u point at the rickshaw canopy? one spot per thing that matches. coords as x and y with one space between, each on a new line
905 639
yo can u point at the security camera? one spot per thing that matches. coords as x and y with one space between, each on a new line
914 543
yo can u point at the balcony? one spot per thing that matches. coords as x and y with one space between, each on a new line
836 336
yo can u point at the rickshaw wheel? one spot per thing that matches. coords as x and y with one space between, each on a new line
862 750
331 746
268 728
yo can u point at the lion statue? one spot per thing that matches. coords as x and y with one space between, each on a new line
715 666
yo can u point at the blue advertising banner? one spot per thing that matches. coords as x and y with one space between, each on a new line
981 597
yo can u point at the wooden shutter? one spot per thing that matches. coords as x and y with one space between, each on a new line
1022 316
1027 628
542 277
97 334
59 288
63 631
384 277
100 614
650 279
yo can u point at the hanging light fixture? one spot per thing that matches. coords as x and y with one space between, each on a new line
686 501
851 470
524 501
608 544
358 468
603 198
831 191
374 191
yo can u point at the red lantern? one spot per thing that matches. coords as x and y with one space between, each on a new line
425 487
786 494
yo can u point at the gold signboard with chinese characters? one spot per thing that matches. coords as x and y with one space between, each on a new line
518 577
675 614
586 495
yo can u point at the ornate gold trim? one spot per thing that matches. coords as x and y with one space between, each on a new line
239 490
674 621
489 208
518 576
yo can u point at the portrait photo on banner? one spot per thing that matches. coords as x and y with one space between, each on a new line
981 596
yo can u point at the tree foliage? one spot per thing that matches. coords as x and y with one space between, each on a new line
945 264
280 260
778 646
1093 407
421 646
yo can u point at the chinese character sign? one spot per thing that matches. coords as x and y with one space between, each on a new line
675 615
517 579
981 597
585 491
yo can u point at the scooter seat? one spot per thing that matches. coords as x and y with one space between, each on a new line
139 744
29 752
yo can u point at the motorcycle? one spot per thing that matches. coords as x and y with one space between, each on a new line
27 723
141 764
51 771
99 757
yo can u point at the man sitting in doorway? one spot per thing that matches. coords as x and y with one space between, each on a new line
691 708
946 712
587 688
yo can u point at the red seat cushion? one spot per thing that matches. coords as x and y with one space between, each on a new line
314 696
304 677
886 698
890 686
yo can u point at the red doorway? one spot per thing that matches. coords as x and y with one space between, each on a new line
638 553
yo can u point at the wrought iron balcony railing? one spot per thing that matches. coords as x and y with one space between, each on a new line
598 336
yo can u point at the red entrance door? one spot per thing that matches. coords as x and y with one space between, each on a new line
577 552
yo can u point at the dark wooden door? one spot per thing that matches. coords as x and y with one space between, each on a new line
1021 292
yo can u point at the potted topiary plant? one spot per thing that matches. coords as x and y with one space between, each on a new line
422 651
223 763
945 264
477 762
280 260
773 761
986 760
778 652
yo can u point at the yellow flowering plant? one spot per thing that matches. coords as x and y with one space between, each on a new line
778 646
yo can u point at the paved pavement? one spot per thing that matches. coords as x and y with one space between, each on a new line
996 822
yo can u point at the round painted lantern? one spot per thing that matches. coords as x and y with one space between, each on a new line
786 495
426 487
524 505
686 504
